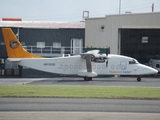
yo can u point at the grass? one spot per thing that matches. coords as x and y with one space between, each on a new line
80 92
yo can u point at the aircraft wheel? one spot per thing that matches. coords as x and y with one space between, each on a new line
139 79
87 78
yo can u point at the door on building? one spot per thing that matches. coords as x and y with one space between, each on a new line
2 67
76 46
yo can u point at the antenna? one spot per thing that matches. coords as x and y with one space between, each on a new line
119 6
153 7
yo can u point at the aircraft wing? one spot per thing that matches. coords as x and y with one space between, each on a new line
87 57
90 56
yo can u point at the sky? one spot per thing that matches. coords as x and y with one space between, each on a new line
71 10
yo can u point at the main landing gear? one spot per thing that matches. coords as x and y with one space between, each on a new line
88 78
139 79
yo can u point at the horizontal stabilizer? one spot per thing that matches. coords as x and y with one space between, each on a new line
14 59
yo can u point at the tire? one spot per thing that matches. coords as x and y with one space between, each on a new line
88 78
139 79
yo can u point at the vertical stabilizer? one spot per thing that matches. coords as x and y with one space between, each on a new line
14 47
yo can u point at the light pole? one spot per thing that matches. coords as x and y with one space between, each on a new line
119 6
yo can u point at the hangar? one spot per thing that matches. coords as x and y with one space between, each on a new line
47 39
134 35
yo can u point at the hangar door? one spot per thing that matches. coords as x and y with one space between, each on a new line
142 44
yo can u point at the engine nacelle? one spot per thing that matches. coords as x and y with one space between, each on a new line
102 56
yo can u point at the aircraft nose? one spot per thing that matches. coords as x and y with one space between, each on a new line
148 70
155 71
152 70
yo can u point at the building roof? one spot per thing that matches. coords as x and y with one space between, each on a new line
124 15
40 24
133 14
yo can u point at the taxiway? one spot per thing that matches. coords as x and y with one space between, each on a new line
79 109
111 81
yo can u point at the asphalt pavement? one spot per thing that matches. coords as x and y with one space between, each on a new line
77 116
111 81
79 109
79 105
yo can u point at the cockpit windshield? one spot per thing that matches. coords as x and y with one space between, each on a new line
134 61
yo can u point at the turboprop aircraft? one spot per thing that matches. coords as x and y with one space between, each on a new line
87 65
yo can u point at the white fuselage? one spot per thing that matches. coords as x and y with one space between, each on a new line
73 65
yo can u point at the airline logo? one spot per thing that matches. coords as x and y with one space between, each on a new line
120 68
13 44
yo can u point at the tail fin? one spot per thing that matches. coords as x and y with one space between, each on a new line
14 47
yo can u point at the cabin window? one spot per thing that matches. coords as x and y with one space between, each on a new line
157 66
144 39
133 62
2 43
23 43
40 44
56 45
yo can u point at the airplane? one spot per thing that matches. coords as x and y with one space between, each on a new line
88 65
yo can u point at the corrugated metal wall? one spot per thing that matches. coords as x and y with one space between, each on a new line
30 36
134 46
110 35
